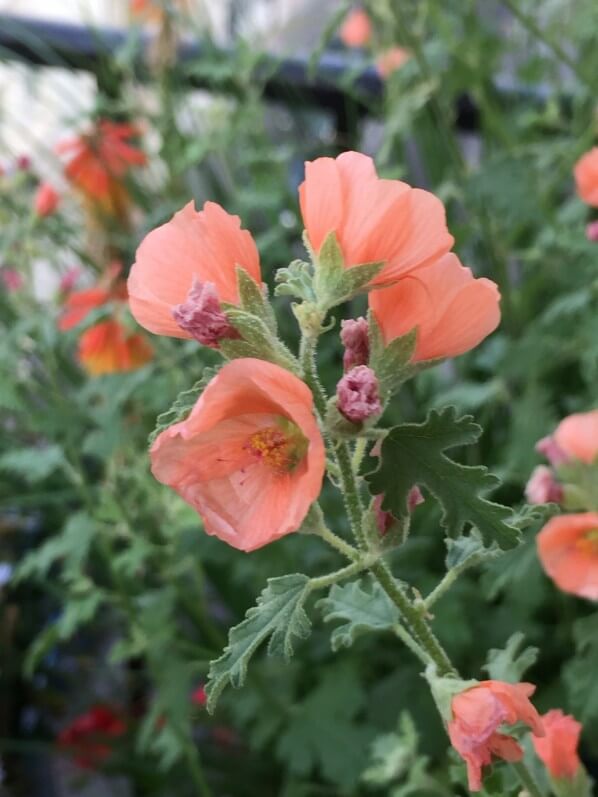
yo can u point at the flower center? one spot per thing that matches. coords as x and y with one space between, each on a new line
588 544
281 446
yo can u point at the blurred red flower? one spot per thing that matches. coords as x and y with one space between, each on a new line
89 736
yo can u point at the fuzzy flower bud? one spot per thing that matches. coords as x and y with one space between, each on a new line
357 394
542 487
549 448
384 520
201 315
592 231
354 335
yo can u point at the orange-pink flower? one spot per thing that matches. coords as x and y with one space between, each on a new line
568 551
374 220
391 60
356 30
249 458
453 311
479 712
79 304
109 347
46 200
577 436
99 160
193 249
586 177
558 749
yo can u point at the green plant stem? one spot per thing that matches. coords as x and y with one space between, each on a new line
321 582
195 768
526 778
532 26
359 453
413 646
414 619
331 538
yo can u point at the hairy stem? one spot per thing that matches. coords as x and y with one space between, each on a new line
526 778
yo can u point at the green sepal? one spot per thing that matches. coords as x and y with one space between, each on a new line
580 486
333 282
257 340
253 298
296 280
391 364
182 405
579 786
279 615
511 663
444 689
414 454
362 610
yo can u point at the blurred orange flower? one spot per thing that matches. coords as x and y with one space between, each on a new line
586 177
391 60
98 161
356 30
46 200
453 311
109 346
79 304
249 458
558 749
568 551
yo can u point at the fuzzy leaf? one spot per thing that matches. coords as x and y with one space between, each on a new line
362 610
512 662
254 300
466 552
334 283
257 341
413 454
279 614
183 404
296 280
391 363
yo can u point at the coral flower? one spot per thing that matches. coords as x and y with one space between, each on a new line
356 30
374 220
186 267
558 749
46 200
11 279
249 458
79 304
88 736
109 347
99 161
577 436
586 177
391 60
453 311
479 712
568 550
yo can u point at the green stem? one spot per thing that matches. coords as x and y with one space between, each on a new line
333 539
195 768
413 646
449 579
321 582
358 453
527 779
414 619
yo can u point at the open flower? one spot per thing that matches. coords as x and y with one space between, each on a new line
374 220
186 267
391 60
558 749
90 735
568 551
98 161
46 200
356 30
453 311
479 712
79 304
586 177
577 436
109 347
249 458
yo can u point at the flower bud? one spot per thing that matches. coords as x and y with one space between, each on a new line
542 487
549 448
357 393
202 316
354 335
592 231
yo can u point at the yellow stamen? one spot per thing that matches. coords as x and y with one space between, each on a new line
588 544
281 447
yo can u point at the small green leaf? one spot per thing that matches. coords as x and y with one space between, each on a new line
254 300
333 282
391 363
362 610
466 552
256 341
183 404
279 614
34 464
511 663
296 280
413 454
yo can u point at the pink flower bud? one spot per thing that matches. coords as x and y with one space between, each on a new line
46 200
12 280
549 448
542 487
201 315
69 279
24 163
354 335
384 520
592 231
357 394
415 498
